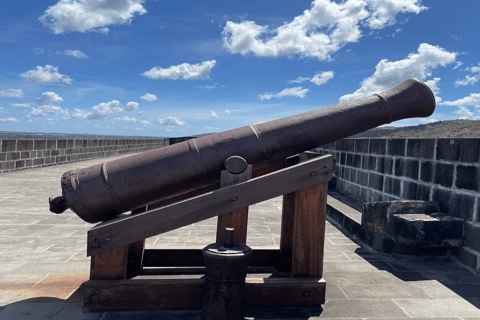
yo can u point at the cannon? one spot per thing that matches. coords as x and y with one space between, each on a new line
100 192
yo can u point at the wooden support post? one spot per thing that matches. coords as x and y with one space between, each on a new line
288 215
111 264
309 231
136 251
237 219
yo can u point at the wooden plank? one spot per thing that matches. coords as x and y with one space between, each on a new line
309 231
194 258
236 219
188 293
111 264
136 251
125 229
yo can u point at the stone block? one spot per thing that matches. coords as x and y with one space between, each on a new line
384 165
55 152
362 177
455 204
346 173
464 150
361 145
378 196
59 159
426 171
375 181
468 257
410 190
24 154
47 153
70 144
9 145
357 159
10 164
365 162
472 236
61 144
467 177
38 161
399 166
427 231
392 186
13 156
3 156
84 143
346 145
423 192
51 144
443 174
343 157
49 160
421 148
39 144
349 159
372 163
378 146
29 163
24 145
78 143
396 147
353 175
19 164
411 169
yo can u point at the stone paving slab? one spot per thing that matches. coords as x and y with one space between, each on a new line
43 264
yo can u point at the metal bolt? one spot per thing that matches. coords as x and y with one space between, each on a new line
319 289
313 173
235 198
95 245
109 238
306 293
103 297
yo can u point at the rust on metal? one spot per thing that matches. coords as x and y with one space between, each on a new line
100 192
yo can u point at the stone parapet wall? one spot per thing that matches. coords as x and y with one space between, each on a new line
23 154
442 170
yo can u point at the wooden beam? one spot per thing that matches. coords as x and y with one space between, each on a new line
188 293
125 229
236 219
309 231
194 258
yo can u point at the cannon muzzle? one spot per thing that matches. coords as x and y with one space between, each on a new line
99 192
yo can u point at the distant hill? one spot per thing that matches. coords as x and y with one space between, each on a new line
440 129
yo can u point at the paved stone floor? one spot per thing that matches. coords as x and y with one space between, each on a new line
43 263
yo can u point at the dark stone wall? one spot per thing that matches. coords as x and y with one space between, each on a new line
34 153
442 170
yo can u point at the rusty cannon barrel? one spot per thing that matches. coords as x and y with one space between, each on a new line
100 192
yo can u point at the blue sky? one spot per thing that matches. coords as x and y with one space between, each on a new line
165 68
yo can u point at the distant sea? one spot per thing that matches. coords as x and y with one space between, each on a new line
49 135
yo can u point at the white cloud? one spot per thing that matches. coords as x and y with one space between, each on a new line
9 119
20 105
213 114
90 16
100 111
300 80
464 113
475 69
472 100
385 11
73 53
171 121
1 109
457 64
467 81
433 85
131 106
320 31
38 51
50 98
428 120
322 77
45 74
149 97
228 111
49 104
11 93
134 120
391 73
289 92
212 86
183 71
